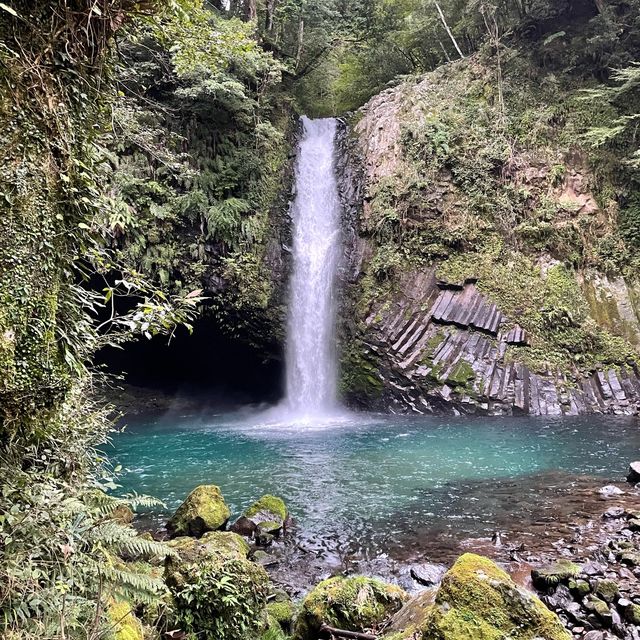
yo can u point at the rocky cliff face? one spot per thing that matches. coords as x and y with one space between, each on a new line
479 279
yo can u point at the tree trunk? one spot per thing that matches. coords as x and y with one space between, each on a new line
446 26
271 9
250 10
446 53
300 42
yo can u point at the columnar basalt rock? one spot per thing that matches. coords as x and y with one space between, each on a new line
443 347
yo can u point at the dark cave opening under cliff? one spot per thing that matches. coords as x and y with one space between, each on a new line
207 364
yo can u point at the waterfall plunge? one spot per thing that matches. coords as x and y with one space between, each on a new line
310 356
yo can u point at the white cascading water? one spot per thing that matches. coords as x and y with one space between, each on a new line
310 357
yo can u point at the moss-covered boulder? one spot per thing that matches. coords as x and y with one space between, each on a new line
479 600
203 510
125 625
217 592
607 590
352 604
551 575
409 620
282 613
268 515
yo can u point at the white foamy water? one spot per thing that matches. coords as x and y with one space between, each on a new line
310 357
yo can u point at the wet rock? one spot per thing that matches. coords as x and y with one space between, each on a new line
594 635
263 535
632 613
613 512
203 510
634 524
630 558
607 590
592 569
610 491
560 599
634 472
554 574
270 512
428 574
264 559
413 614
352 604
477 599
599 607
579 587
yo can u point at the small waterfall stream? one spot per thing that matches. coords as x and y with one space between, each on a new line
310 356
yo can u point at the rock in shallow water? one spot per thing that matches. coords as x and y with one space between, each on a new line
428 574
269 514
553 574
634 472
610 491
203 510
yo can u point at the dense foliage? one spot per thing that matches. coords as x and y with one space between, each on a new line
137 176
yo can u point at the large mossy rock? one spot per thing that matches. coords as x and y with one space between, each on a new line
203 510
217 591
352 604
269 515
124 624
479 600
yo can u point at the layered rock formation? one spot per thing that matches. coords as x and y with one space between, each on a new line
446 347
478 278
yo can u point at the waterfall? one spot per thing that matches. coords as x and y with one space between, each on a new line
310 355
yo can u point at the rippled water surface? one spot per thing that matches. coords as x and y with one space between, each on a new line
377 482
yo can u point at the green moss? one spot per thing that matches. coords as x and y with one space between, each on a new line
478 600
462 375
281 612
632 614
353 604
554 574
434 342
203 510
359 377
593 603
580 587
125 625
266 506
608 590
550 306
226 543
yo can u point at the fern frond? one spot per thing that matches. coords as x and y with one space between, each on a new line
133 585
147 502
138 546
111 533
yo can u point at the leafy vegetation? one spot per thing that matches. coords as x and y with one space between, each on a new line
147 156
500 179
